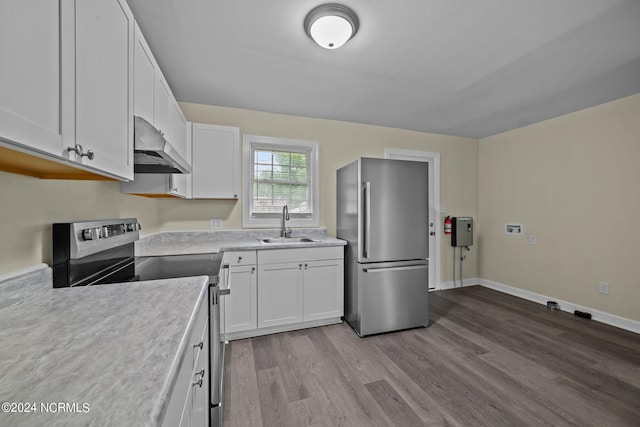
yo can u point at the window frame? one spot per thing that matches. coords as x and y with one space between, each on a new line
281 144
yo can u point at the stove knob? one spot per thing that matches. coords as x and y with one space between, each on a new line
131 226
91 234
104 232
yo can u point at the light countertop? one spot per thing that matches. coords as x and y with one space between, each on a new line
199 242
106 352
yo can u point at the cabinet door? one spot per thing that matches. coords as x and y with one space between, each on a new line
323 289
144 78
162 97
30 74
279 294
241 305
102 119
178 123
215 162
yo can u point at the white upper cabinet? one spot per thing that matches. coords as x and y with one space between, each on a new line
30 74
97 70
144 68
178 130
215 161
153 99
161 103
65 87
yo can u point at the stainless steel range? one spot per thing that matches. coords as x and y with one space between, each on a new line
89 253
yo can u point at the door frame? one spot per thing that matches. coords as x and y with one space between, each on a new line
433 159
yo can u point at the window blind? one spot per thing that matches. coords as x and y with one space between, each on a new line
281 176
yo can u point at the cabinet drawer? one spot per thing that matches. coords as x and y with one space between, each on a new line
239 258
303 254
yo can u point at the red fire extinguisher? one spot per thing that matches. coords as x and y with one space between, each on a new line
447 225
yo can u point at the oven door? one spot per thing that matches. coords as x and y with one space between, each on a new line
217 344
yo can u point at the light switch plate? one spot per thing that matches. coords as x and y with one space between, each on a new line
603 288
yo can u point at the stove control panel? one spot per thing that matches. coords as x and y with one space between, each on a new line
83 238
111 230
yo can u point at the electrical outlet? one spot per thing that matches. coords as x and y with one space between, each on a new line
215 223
517 229
603 288
533 240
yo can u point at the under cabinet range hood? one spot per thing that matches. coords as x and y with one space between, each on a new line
152 153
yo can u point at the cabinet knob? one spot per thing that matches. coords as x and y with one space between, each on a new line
253 269
239 259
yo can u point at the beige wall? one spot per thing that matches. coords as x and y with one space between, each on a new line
340 143
31 205
574 182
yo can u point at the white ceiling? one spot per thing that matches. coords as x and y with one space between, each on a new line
458 67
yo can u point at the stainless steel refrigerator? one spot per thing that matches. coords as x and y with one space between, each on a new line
383 212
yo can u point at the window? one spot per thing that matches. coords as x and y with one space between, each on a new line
279 172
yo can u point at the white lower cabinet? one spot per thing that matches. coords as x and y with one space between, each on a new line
279 294
240 306
323 289
188 403
293 288
195 412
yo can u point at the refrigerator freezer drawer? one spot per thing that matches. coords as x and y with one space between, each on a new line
392 296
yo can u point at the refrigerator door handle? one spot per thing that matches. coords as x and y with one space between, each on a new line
366 193
403 268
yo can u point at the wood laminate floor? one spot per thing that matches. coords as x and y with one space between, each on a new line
486 359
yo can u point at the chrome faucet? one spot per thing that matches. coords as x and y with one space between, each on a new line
285 217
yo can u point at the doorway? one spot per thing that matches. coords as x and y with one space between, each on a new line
433 159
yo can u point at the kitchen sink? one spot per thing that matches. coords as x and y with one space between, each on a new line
286 240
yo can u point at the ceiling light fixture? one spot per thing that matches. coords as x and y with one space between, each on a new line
331 25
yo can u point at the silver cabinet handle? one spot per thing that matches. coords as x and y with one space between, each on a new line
403 268
80 151
199 382
226 290
366 193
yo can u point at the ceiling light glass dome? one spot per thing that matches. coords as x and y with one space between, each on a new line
331 25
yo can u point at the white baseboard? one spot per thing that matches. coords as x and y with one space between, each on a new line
599 316
450 284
